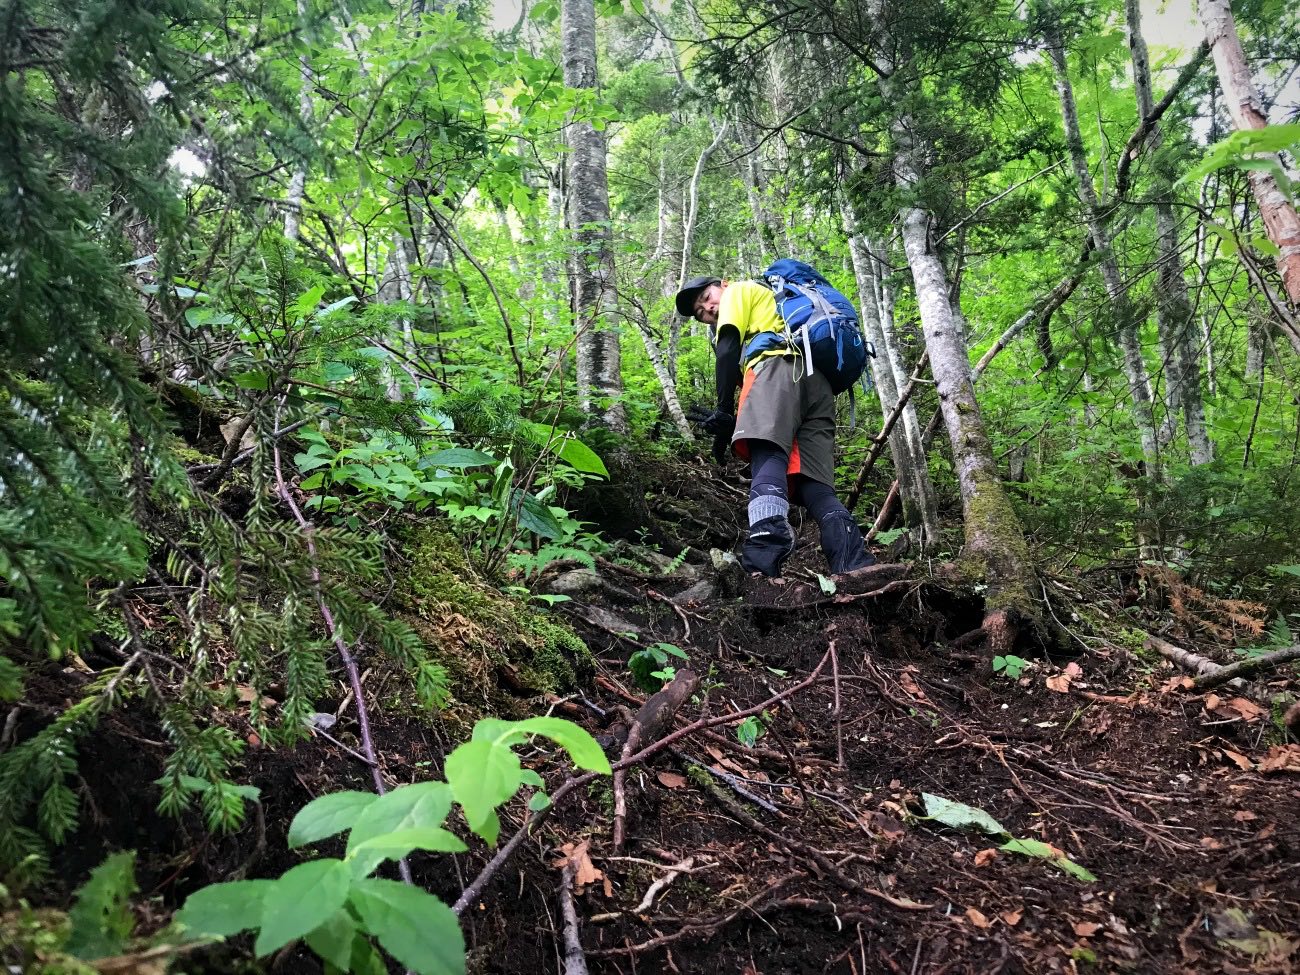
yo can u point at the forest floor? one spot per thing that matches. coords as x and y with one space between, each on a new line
810 850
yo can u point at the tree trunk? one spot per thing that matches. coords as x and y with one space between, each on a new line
1280 220
995 540
1139 383
905 447
1173 304
600 380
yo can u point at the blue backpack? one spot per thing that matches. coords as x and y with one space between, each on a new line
821 320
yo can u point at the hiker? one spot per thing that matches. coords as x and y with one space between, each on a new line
785 426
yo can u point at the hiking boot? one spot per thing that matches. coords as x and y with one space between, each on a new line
842 542
767 546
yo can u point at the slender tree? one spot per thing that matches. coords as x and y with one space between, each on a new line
600 381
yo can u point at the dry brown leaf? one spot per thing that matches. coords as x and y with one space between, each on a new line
887 826
1086 929
985 857
671 780
1243 763
1244 816
1011 918
911 687
977 918
1247 709
1212 701
1210 843
1061 682
585 872
1281 758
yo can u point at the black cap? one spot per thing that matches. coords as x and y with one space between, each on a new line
690 291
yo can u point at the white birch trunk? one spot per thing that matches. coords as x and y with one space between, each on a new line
905 446
1135 371
600 380
1280 220
1174 306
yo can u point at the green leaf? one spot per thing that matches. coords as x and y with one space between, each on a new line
413 926
960 816
301 901
580 457
582 748
255 379
827 585
456 458
529 777
333 940
419 805
534 516
336 305
539 801
328 815
221 910
1036 848
395 845
313 482
483 775
101 920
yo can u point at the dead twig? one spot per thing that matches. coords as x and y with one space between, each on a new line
575 962
475 888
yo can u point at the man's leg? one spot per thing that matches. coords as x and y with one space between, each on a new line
770 540
841 537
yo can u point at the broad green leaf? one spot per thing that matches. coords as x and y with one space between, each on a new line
413 926
960 816
529 777
313 482
328 815
394 846
574 739
420 805
336 305
580 457
1036 848
221 910
299 902
827 585
534 516
333 940
539 801
457 457
255 379
483 775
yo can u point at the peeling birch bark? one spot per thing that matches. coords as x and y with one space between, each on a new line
1173 304
600 380
1280 220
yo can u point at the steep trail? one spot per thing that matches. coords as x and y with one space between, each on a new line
808 853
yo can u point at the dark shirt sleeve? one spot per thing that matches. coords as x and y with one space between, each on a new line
728 367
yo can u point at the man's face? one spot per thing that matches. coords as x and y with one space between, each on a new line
706 304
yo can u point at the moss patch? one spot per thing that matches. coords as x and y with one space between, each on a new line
483 637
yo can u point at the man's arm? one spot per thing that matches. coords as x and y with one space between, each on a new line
727 372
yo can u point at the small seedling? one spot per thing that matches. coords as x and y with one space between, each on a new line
750 730
1010 665
650 667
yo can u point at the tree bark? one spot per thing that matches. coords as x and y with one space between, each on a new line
919 504
1135 371
995 540
1173 304
600 380
1280 220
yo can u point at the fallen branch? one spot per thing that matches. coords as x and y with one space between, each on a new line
575 962
475 888
1184 658
1244 668
650 723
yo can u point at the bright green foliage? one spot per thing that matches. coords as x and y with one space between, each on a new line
101 919
1011 666
337 907
650 667
958 815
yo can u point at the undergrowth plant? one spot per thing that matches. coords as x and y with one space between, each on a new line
338 907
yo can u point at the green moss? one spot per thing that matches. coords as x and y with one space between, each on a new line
996 549
475 629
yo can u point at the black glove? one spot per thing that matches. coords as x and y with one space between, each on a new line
716 422
721 441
